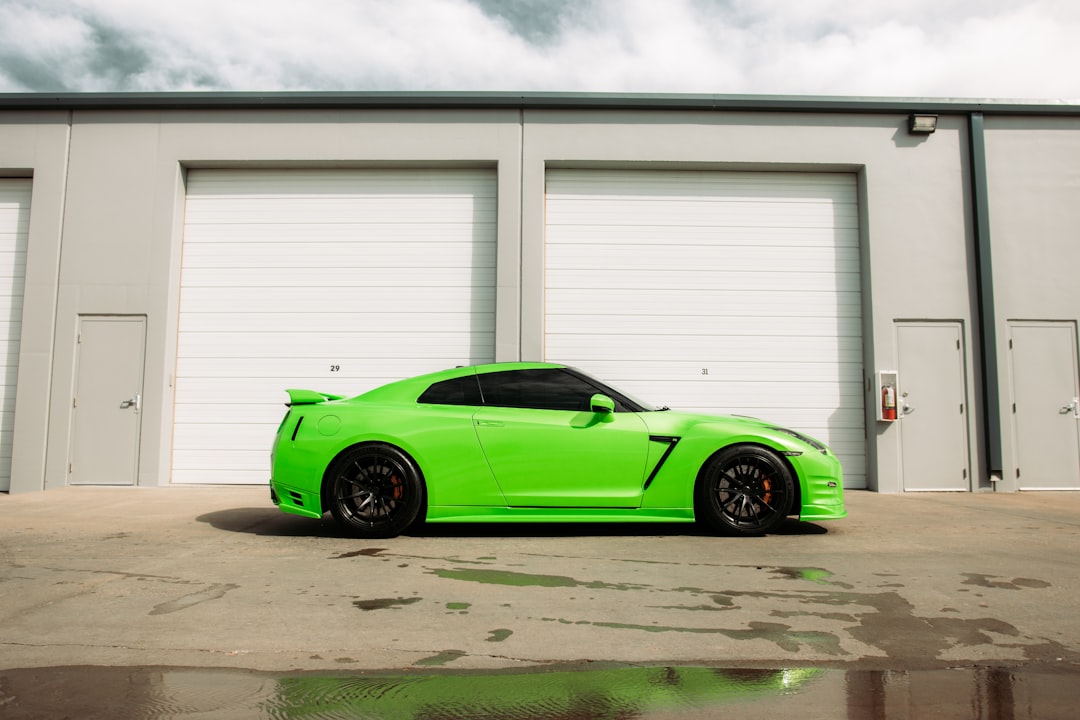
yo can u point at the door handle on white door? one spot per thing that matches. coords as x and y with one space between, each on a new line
135 402
1073 407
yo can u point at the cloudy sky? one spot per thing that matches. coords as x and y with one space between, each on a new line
1017 49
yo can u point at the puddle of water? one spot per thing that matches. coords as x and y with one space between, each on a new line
649 693
385 603
516 579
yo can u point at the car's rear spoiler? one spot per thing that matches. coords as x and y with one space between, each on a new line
309 397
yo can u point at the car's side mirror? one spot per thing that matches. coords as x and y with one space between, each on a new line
601 404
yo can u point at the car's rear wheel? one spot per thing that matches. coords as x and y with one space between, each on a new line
375 490
744 490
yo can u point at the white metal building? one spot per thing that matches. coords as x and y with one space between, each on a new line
170 263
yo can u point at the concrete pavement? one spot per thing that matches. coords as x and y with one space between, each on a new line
218 577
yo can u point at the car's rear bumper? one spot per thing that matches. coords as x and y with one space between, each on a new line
297 502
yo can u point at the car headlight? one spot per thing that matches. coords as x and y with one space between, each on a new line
804 438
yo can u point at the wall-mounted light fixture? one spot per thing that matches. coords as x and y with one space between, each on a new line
922 124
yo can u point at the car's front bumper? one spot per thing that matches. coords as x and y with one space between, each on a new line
822 487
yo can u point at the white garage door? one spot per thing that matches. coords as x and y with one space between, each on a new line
14 229
733 292
331 280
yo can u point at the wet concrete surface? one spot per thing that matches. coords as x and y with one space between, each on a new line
566 693
966 598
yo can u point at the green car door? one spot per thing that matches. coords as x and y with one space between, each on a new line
552 440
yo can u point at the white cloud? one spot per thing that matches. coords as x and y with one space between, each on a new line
939 48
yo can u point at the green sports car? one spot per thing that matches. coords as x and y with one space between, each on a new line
539 442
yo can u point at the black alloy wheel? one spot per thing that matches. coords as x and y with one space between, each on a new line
375 490
744 490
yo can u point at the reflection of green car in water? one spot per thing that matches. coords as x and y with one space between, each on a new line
610 693
538 442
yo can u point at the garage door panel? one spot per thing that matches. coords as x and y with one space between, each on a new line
819 395
224 435
745 326
723 303
353 375
605 184
255 410
334 346
278 279
11 306
744 259
828 238
289 184
334 234
203 396
218 476
338 281
687 279
382 209
317 300
336 322
667 372
643 214
709 348
323 255
200 393
713 291
811 411
11 290
226 460
12 267
14 220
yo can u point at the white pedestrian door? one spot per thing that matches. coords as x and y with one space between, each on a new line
932 407
108 401
1045 405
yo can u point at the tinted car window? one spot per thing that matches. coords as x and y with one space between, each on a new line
542 389
459 391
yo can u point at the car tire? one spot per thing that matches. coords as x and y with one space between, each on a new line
374 490
744 490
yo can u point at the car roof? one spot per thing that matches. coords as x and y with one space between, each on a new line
411 388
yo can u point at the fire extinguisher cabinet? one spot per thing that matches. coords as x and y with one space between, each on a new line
888 396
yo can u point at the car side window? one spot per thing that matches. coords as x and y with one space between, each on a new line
458 391
539 389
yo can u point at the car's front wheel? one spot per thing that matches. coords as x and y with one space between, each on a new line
375 490
744 490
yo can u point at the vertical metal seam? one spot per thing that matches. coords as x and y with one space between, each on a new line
984 277
520 298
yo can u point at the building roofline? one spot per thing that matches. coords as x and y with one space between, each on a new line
528 101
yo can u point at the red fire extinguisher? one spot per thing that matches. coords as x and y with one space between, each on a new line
888 402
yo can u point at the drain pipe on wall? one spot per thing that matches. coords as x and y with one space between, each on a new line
984 272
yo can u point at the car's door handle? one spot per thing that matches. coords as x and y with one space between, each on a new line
489 423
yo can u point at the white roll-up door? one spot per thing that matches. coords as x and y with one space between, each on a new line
14 230
331 280
727 292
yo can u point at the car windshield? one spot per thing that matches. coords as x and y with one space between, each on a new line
629 401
